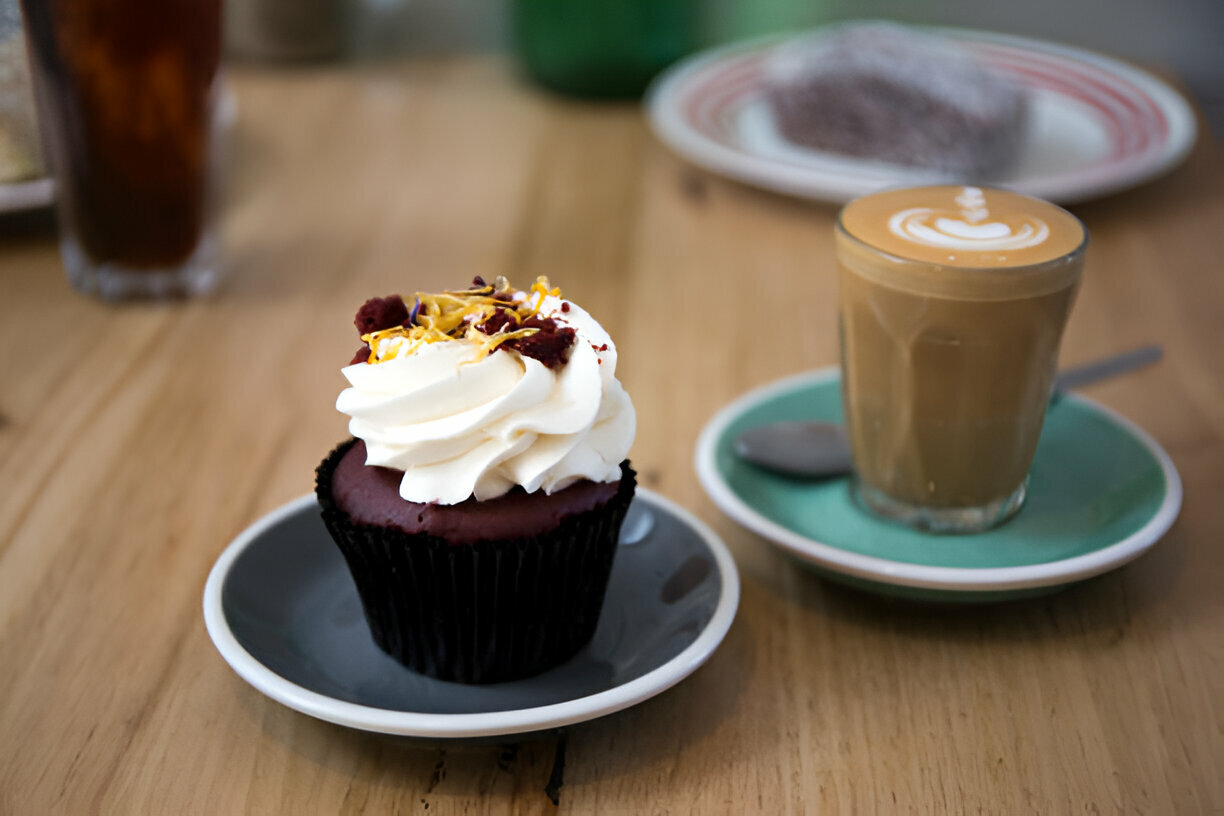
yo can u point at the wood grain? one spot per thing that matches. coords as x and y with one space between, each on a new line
137 440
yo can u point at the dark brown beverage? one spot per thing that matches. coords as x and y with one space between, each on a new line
953 303
125 91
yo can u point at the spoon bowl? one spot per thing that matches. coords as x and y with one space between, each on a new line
806 450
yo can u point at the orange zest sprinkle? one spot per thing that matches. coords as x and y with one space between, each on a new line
457 315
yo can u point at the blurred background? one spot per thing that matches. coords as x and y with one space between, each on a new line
1184 36
1182 39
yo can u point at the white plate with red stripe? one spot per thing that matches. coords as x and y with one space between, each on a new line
1096 125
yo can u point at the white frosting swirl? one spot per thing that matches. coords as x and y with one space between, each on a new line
462 423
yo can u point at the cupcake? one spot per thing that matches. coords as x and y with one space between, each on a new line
479 502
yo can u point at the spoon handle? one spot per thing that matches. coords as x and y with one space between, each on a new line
1080 376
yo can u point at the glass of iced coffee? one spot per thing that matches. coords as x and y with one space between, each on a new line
126 97
953 301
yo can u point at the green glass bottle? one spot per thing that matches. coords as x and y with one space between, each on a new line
604 49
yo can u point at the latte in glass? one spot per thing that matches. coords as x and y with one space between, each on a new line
953 301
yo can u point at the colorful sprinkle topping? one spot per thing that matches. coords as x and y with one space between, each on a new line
491 315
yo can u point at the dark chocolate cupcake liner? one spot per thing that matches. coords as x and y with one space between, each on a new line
485 612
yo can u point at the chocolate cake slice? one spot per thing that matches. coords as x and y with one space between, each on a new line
885 92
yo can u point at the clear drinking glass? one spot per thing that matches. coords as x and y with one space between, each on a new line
953 302
126 93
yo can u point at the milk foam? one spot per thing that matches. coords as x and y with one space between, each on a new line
968 229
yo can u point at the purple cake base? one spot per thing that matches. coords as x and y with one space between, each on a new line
491 610
370 495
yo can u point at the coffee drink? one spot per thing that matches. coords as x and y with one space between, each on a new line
953 303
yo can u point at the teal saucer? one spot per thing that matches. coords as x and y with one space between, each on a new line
1101 492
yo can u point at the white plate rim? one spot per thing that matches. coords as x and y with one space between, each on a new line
899 573
484 724
27 195
664 100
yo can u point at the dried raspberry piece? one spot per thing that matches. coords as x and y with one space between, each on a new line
545 324
550 345
362 355
377 314
499 320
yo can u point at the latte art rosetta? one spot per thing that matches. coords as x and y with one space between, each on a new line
962 231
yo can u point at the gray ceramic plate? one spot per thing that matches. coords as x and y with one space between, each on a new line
282 610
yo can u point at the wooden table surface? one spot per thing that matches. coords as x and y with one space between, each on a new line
137 440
